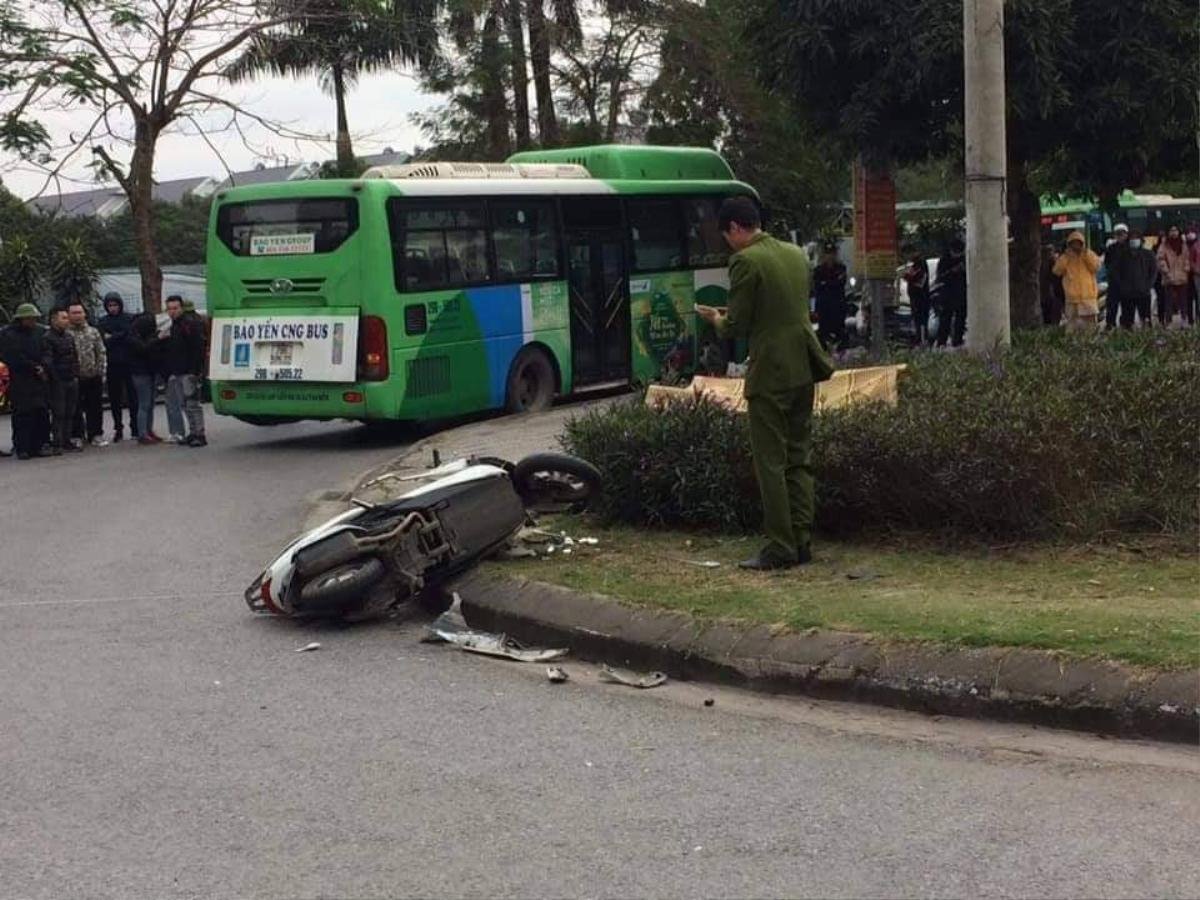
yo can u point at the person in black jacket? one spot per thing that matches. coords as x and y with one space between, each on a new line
115 326
916 274
62 364
829 291
23 350
183 362
1116 267
952 294
1137 279
145 366
1054 298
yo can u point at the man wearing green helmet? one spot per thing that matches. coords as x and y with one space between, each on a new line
23 350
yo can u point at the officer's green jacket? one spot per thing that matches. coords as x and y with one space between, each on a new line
768 303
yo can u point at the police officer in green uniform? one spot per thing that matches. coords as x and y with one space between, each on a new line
768 303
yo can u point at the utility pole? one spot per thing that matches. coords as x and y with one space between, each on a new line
987 224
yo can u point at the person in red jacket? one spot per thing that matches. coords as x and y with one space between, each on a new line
1176 269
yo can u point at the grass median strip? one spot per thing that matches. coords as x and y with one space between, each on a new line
1139 605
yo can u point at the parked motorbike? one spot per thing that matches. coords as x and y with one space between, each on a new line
367 560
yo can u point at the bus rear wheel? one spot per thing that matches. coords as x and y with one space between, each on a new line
530 382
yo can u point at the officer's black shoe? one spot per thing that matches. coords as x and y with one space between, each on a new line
764 563
804 557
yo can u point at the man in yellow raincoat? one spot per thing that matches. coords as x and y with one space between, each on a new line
1077 268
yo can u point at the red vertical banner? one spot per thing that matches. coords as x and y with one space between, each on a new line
875 245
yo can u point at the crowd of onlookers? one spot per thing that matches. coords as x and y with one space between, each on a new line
1143 284
944 295
60 372
1135 280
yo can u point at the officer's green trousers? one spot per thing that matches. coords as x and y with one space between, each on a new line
781 440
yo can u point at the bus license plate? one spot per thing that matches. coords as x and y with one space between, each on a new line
281 354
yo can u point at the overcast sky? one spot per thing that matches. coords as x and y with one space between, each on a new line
378 109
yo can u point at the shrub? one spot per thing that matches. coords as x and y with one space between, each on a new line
1059 435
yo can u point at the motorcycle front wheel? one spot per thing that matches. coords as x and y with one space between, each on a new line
552 482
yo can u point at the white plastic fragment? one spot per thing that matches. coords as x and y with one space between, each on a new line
632 679
452 628
307 647
557 674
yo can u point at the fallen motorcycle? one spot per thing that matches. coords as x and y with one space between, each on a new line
373 557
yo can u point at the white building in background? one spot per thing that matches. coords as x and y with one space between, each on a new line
186 281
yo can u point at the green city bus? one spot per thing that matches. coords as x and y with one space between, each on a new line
432 290
1151 214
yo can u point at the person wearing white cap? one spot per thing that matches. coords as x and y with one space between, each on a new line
1116 264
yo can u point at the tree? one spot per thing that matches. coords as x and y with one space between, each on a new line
20 272
339 40
514 29
474 123
73 274
606 73
140 70
1099 95
706 95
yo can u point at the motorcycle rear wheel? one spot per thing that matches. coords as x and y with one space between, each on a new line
343 591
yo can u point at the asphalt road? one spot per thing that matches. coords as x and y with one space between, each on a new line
156 740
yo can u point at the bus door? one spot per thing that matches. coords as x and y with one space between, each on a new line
598 284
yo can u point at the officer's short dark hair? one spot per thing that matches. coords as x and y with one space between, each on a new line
741 210
176 298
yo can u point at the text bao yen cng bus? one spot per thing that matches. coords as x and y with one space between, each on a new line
432 290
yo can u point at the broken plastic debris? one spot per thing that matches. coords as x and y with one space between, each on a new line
532 541
632 679
313 646
698 563
557 674
452 628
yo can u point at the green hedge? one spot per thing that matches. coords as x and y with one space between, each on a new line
1058 436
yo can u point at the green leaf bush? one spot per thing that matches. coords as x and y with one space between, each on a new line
1058 436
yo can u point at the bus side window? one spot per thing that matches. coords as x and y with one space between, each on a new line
655 235
525 235
706 247
437 245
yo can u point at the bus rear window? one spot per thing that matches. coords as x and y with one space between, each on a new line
287 227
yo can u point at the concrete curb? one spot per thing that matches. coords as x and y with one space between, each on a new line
992 682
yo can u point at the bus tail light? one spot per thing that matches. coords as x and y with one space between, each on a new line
228 394
373 351
353 397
